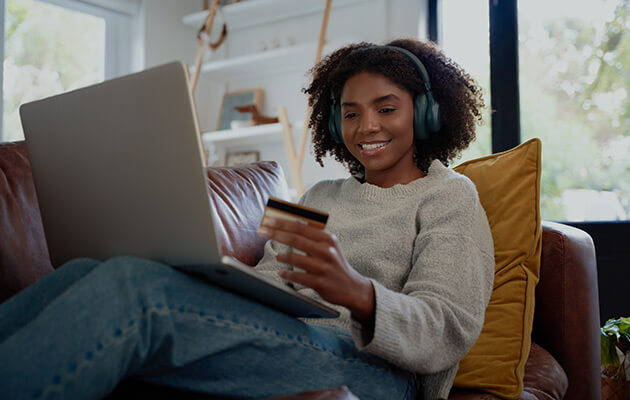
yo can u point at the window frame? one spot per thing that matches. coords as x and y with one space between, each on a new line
608 236
433 25
504 84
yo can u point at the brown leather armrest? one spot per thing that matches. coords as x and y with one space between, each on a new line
23 252
566 319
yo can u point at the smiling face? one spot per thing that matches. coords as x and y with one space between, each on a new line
377 128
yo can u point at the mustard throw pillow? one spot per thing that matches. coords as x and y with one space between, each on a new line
509 189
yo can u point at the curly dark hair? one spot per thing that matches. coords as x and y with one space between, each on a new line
460 97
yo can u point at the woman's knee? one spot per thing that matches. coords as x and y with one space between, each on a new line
131 272
135 267
78 267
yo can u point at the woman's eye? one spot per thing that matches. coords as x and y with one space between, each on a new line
386 110
349 115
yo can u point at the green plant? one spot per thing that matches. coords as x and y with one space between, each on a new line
615 334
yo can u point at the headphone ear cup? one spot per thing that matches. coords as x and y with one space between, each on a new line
334 122
419 117
433 115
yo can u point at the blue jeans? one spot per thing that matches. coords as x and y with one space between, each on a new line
76 333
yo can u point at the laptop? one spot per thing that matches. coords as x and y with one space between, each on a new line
118 170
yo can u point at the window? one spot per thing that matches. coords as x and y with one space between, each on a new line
574 59
55 46
464 36
571 60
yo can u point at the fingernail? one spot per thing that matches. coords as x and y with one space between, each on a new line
263 231
269 221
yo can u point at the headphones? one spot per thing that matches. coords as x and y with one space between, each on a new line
426 111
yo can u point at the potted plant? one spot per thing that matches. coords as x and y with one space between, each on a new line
615 340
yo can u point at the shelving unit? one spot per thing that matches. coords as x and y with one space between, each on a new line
251 13
251 135
218 143
271 65
293 58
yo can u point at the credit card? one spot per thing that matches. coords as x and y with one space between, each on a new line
278 208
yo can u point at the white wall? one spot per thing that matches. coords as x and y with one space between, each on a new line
167 38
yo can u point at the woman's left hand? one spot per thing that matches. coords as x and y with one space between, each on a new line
325 268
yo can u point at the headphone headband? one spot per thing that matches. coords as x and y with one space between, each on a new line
422 71
416 62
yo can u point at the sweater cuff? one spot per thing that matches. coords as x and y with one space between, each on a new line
274 275
377 340
438 386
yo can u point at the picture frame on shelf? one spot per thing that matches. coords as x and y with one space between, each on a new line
228 113
235 158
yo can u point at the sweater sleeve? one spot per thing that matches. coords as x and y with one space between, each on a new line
268 265
436 318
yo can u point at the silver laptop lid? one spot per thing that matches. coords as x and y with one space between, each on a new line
118 170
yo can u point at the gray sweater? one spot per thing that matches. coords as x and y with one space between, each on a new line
427 248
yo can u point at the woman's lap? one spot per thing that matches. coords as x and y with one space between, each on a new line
134 317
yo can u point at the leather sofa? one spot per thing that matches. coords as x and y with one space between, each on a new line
564 360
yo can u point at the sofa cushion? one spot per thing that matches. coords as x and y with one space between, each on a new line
509 189
23 252
544 380
239 195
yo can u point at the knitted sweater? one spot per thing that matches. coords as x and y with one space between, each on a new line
427 248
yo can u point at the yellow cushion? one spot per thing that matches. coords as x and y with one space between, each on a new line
509 189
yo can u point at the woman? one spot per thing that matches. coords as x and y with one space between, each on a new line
407 258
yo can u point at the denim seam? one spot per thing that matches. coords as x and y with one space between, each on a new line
102 345
409 384
234 321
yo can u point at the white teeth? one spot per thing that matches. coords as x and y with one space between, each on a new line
373 146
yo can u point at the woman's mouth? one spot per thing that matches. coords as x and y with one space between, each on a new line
369 149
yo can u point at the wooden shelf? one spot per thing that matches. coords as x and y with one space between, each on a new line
293 58
272 61
253 134
251 13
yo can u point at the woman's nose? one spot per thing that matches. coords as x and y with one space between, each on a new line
369 123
